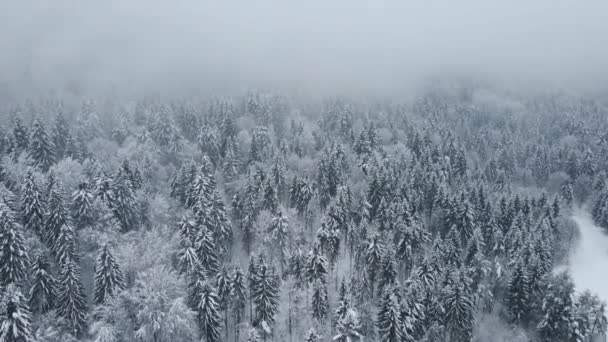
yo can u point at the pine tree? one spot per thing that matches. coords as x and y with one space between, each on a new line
43 289
41 149
71 300
208 314
389 322
13 254
15 317
270 200
108 276
32 204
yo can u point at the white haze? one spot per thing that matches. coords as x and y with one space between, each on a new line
588 262
327 46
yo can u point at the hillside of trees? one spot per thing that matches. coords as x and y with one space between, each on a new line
266 217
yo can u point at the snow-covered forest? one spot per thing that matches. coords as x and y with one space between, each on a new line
303 171
264 217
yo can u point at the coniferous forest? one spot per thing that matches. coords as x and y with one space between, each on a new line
270 217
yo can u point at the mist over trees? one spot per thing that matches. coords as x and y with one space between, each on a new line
271 217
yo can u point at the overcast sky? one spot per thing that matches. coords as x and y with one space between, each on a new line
316 44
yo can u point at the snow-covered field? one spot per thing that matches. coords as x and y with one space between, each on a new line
589 261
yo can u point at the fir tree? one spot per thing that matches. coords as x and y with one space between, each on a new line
64 245
71 300
239 297
13 254
41 149
459 308
348 327
15 317
42 292
108 276
557 309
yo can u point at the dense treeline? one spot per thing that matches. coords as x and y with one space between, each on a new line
263 217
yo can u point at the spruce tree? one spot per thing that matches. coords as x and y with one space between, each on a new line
124 202
41 149
64 247
208 314
207 252
32 204
265 295
82 201
60 135
109 279
459 314
389 323
518 293
239 297
56 215
71 300
43 290
319 300
15 317
21 135
13 254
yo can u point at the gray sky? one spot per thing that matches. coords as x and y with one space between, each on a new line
330 46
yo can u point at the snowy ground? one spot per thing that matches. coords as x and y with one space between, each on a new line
589 262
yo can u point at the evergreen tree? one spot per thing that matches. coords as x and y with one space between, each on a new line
13 254
389 322
316 265
265 295
207 252
518 293
348 327
15 317
239 297
71 300
57 215
459 318
64 246
319 300
208 314
42 292
124 202
108 276
41 149
60 135
32 204
21 135
311 335
82 201
557 309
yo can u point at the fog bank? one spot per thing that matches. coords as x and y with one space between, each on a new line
335 46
